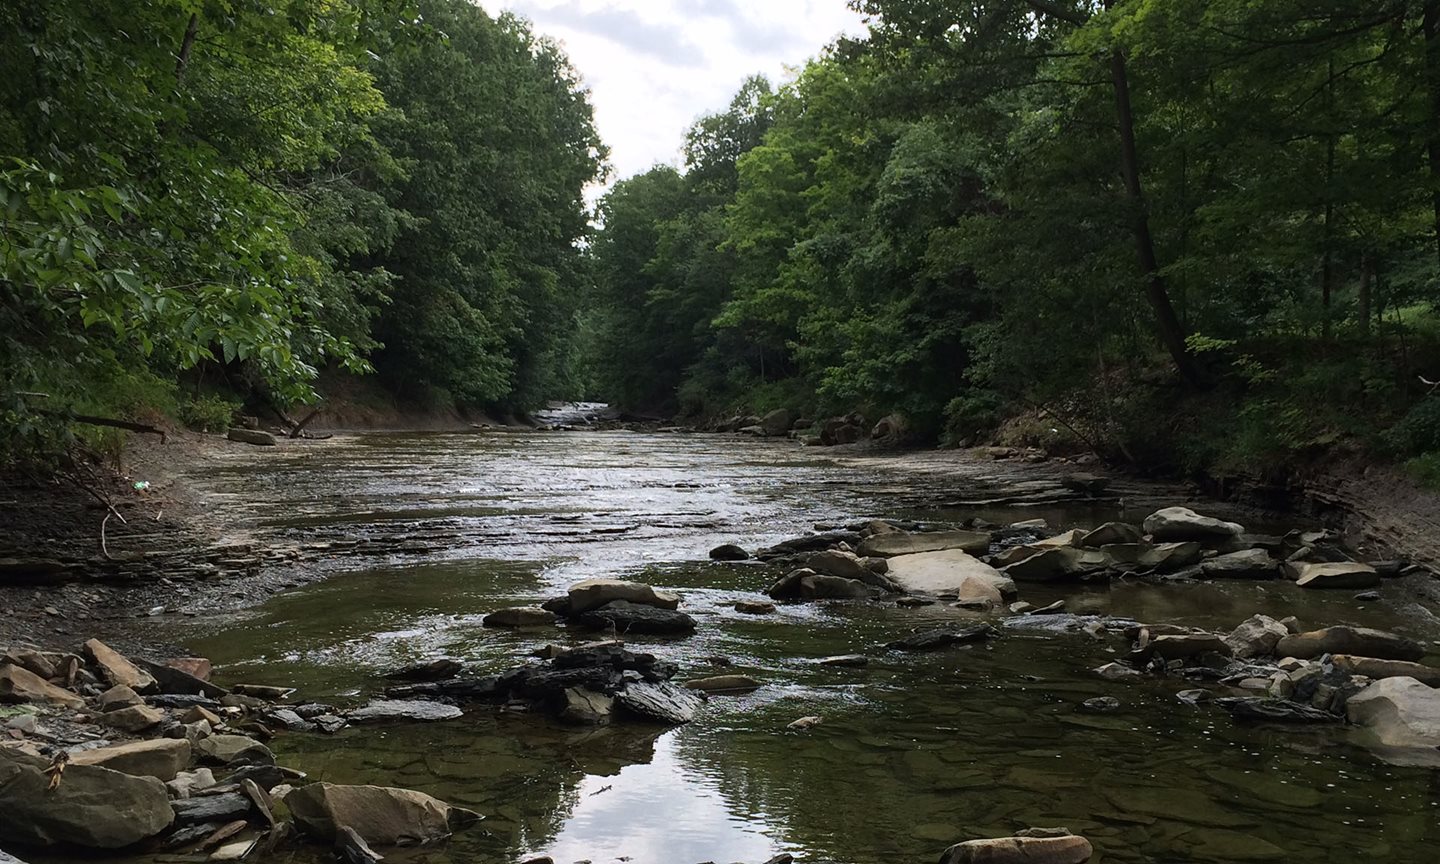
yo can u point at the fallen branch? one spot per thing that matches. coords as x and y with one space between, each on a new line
300 427
91 420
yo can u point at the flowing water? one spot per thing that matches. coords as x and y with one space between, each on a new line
915 752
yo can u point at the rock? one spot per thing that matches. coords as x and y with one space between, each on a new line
195 667
663 702
414 710
1152 558
1101 705
729 552
949 571
1349 574
115 669
434 670
1256 636
892 427
724 684
233 851
199 713
1245 564
1181 524
822 587
1373 667
251 436
35 661
118 697
808 543
381 815
519 616
1175 647
842 565
943 637
851 660
170 679
234 750
162 758
584 707
1056 564
263 692
1118 672
1269 710
754 607
211 808
899 543
805 723
1361 641
1111 533
18 684
777 422
594 593
627 617
1368 596
1400 713
93 807
1020 850
1086 484
288 719
186 783
136 718
1064 538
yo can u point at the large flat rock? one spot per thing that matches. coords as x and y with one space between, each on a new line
946 572
899 543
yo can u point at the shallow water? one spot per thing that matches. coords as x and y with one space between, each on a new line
915 752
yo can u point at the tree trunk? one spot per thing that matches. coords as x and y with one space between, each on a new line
1362 297
1430 24
1172 334
187 44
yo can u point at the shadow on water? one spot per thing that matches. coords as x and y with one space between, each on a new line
915 752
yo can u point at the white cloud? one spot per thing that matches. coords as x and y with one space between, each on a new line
655 66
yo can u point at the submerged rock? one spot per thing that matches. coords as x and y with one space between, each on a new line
1245 564
943 637
434 670
516 617
403 709
92 807
382 815
1268 710
754 607
1020 850
724 684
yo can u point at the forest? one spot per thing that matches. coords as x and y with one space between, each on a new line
1191 235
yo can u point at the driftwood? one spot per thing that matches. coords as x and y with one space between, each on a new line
91 420
299 429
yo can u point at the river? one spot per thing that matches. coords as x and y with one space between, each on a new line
915 752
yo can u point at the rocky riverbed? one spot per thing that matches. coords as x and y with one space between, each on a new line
965 663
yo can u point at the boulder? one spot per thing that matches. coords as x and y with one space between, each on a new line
1245 564
519 616
93 807
382 815
845 565
891 427
626 617
195 667
1152 558
177 680
118 697
414 710
661 702
18 684
162 758
822 587
1347 574
930 640
899 543
1085 484
1374 667
251 436
729 552
1175 647
1256 636
136 718
1065 538
1399 712
1111 532
594 593
1055 564
778 422
1020 850
754 607
1181 524
1361 641
234 750
115 669
581 706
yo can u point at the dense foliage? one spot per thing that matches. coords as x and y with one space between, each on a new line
261 190
1196 233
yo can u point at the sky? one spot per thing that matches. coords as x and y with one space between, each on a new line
655 66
